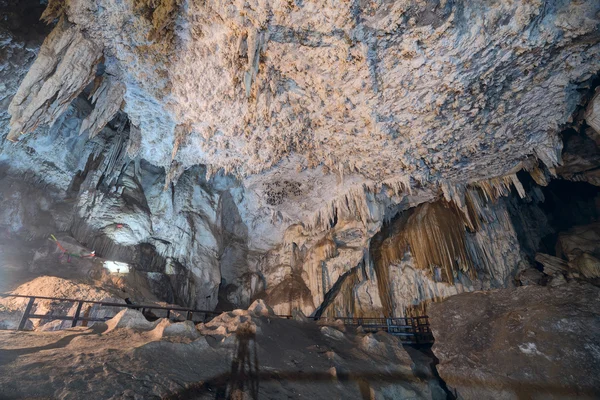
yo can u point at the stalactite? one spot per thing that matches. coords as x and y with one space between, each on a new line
107 99
383 284
436 237
65 64
135 141
354 203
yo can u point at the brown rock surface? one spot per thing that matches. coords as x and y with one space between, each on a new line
281 359
528 342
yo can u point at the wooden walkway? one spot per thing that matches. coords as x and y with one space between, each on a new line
411 330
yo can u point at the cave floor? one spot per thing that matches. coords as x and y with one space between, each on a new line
283 359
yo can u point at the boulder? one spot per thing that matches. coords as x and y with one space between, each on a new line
583 238
557 280
552 265
332 333
587 265
185 329
530 276
521 342
259 307
132 319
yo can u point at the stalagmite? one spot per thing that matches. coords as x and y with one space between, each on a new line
66 63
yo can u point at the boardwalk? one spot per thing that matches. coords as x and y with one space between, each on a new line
414 330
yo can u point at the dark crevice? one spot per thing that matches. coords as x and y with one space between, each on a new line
425 368
333 292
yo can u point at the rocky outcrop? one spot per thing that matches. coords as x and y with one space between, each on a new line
65 64
592 116
519 342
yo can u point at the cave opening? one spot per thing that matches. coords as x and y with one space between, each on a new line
568 204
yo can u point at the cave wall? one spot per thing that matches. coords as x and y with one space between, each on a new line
221 199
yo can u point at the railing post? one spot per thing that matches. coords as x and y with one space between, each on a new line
26 314
76 317
189 315
416 330
168 314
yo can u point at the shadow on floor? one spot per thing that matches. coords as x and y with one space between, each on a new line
8 356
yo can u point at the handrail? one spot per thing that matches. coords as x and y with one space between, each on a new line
109 304
80 302
411 329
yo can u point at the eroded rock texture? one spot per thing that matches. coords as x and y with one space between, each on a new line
339 159
523 342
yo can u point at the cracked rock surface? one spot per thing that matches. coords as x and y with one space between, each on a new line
520 342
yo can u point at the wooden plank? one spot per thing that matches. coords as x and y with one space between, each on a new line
77 312
26 315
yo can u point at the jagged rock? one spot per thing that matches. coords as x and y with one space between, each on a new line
530 276
228 323
332 333
553 266
65 64
298 315
580 158
259 307
514 342
107 101
592 116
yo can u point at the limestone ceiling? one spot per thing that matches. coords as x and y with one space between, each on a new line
334 93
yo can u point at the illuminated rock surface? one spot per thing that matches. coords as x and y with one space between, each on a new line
337 159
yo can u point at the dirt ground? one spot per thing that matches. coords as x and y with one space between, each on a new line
264 358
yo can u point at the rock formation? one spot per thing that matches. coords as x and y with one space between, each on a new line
173 360
509 344
334 159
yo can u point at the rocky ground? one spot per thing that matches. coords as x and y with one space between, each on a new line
240 354
528 342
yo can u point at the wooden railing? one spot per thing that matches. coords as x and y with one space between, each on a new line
414 330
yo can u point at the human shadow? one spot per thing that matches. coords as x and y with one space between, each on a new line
365 380
243 376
